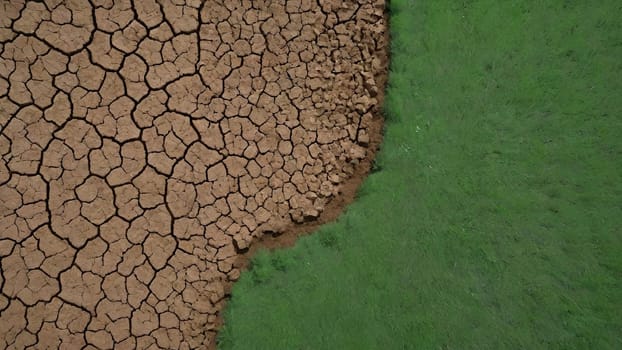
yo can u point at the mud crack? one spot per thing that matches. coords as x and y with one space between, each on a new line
146 144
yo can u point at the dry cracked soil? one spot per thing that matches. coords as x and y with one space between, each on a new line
145 144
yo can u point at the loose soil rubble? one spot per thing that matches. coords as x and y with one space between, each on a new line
145 144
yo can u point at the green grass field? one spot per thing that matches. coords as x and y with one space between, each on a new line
493 219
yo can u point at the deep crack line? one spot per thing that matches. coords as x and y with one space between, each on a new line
145 145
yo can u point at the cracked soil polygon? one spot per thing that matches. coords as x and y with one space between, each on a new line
145 145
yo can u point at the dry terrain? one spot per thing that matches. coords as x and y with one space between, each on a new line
144 145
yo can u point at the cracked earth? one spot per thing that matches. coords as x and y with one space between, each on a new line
146 144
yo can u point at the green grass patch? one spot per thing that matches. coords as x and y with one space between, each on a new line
495 218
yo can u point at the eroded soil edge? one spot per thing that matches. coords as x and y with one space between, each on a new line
146 144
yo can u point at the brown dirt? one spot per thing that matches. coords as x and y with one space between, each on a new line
148 148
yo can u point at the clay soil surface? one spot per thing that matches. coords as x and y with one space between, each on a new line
145 145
